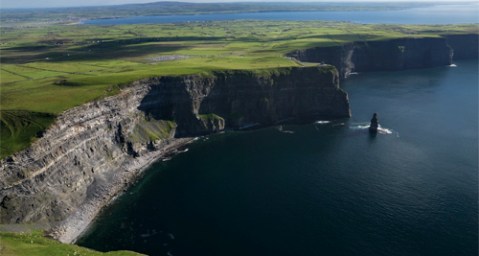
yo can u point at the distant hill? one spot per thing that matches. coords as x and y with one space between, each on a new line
74 14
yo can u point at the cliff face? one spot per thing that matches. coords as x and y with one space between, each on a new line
73 163
241 99
93 151
464 46
396 54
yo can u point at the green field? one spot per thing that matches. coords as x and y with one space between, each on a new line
35 244
46 70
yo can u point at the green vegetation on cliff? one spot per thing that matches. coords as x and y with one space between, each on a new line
48 69
28 244
152 130
18 128
210 117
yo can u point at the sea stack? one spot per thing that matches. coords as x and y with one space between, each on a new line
373 127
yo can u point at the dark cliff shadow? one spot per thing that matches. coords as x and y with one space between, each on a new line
162 99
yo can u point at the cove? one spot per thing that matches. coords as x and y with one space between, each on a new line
323 188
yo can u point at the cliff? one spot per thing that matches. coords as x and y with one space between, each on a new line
464 46
390 55
94 151
239 99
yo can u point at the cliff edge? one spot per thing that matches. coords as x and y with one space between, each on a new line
394 54
96 150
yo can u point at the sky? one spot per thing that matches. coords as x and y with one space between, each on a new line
70 3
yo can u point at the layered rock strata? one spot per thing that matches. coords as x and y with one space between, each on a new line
96 150
394 54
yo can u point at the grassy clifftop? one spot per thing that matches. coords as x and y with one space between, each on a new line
51 69
47 70
28 244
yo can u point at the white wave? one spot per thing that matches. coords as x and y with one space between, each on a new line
183 151
360 126
453 65
280 129
322 122
338 124
384 130
365 126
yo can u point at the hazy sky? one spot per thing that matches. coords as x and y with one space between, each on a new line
67 3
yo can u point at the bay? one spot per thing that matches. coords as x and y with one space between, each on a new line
438 14
327 188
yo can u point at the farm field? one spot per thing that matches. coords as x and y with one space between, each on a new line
46 70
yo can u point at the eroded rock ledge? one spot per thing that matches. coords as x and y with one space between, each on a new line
96 150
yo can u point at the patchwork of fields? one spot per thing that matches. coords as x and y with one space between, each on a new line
47 70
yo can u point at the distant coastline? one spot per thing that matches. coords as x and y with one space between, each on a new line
132 107
177 12
457 14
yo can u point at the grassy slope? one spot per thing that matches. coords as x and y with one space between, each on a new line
53 68
28 244
19 128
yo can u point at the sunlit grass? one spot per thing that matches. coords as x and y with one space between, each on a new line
34 243
53 68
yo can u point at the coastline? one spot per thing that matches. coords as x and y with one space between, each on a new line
87 159
69 230
94 151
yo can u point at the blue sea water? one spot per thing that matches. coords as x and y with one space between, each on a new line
439 14
327 188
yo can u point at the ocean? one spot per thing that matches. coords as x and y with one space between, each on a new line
325 188
439 14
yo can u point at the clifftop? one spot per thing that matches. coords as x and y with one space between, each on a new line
394 54
45 73
93 151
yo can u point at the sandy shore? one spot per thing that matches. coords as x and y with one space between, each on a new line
69 230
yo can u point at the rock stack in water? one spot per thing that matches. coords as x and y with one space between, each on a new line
373 127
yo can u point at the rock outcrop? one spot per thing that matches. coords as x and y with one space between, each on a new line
394 54
374 125
94 151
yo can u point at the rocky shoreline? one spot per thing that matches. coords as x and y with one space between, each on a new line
93 152
77 223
